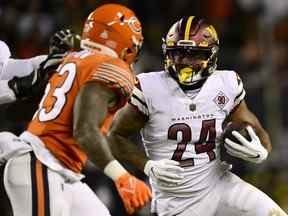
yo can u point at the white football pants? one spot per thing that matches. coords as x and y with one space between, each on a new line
231 196
35 190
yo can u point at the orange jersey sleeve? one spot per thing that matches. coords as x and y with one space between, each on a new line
53 122
114 74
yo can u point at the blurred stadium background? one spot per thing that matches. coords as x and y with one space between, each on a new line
254 42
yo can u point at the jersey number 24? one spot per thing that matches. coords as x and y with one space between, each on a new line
205 144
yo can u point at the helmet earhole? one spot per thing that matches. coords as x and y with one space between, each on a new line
129 51
122 18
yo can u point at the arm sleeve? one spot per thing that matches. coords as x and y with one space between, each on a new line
117 76
138 99
20 67
6 94
239 90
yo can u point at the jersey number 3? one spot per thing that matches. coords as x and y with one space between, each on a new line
54 98
205 144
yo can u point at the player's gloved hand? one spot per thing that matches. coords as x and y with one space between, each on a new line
165 171
251 151
51 63
63 41
133 192
60 44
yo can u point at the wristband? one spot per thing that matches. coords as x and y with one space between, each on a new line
114 170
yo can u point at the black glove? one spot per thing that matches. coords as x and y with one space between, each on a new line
63 41
60 44
34 84
28 86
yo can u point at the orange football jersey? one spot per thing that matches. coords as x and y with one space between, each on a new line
53 122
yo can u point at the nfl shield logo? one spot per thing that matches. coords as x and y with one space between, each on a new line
192 107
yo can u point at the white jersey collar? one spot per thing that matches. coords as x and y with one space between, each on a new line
90 45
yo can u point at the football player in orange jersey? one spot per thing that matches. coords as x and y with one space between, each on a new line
80 100
13 73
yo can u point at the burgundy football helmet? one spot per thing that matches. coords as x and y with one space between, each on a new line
190 49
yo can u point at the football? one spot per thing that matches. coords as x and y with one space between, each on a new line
235 126
227 133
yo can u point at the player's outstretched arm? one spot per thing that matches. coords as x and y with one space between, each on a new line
33 85
91 107
18 82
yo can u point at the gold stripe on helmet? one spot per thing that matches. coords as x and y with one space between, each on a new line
213 32
188 26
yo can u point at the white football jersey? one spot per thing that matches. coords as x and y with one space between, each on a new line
186 126
10 68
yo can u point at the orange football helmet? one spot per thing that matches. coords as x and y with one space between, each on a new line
116 27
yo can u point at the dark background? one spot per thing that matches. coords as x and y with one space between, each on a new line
253 41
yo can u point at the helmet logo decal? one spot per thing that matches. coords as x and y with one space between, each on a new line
134 24
104 34
212 32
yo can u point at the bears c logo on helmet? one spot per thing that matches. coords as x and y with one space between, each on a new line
134 24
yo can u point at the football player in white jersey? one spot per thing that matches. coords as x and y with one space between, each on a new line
180 112
23 78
